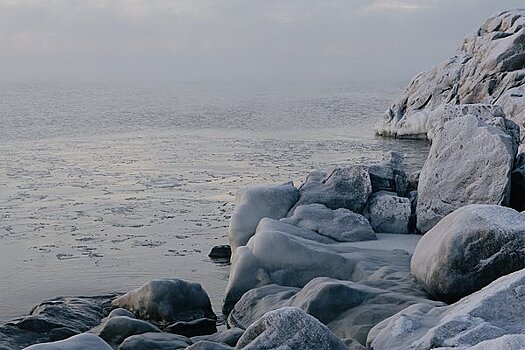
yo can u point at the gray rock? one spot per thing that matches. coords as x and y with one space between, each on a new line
389 175
353 344
469 162
388 213
166 301
221 252
118 328
255 203
208 345
84 341
347 187
468 249
61 333
289 328
487 315
341 224
228 337
488 68
517 187
155 341
193 328
349 309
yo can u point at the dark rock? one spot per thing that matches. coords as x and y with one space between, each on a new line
201 326
228 337
517 186
155 341
221 252
61 333
118 328
208 345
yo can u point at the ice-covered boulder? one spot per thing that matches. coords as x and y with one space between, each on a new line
289 328
468 249
469 162
388 212
347 188
167 300
341 224
389 175
254 203
84 341
118 328
348 309
492 316
488 68
155 341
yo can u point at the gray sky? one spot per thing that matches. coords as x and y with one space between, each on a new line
232 39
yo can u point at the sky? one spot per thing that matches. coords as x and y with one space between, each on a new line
361 40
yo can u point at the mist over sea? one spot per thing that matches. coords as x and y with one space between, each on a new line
108 185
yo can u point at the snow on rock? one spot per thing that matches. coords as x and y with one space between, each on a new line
487 319
388 213
469 162
84 341
254 203
488 68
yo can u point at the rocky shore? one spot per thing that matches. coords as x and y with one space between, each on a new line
354 257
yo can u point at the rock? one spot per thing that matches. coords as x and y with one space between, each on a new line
413 181
469 162
61 333
468 249
193 328
487 315
167 300
488 68
228 337
155 341
84 341
349 309
221 252
341 225
118 328
208 345
388 213
517 187
277 254
289 328
347 188
253 204
389 174
121 312
352 344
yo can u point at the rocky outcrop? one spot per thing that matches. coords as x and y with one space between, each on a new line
469 162
492 316
488 68
468 249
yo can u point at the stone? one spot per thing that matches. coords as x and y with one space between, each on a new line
492 316
121 312
118 328
208 345
254 203
61 333
289 328
155 341
227 337
468 249
277 254
353 344
193 328
488 68
166 301
84 341
221 252
389 213
469 162
389 174
341 224
347 188
348 309
517 186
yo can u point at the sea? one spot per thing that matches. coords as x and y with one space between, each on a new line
107 185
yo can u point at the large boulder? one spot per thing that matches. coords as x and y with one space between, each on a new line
483 320
469 162
118 328
254 203
341 224
488 68
347 187
166 301
388 212
348 309
84 341
155 341
468 249
289 328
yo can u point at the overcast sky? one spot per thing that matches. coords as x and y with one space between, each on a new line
216 39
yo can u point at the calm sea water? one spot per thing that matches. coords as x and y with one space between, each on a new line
108 185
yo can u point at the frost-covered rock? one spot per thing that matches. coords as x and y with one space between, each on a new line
167 300
492 316
84 341
388 213
468 249
341 224
254 203
155 341
282 254
289 328
348 309
389 175
488 68
118 328
469 162
347 187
